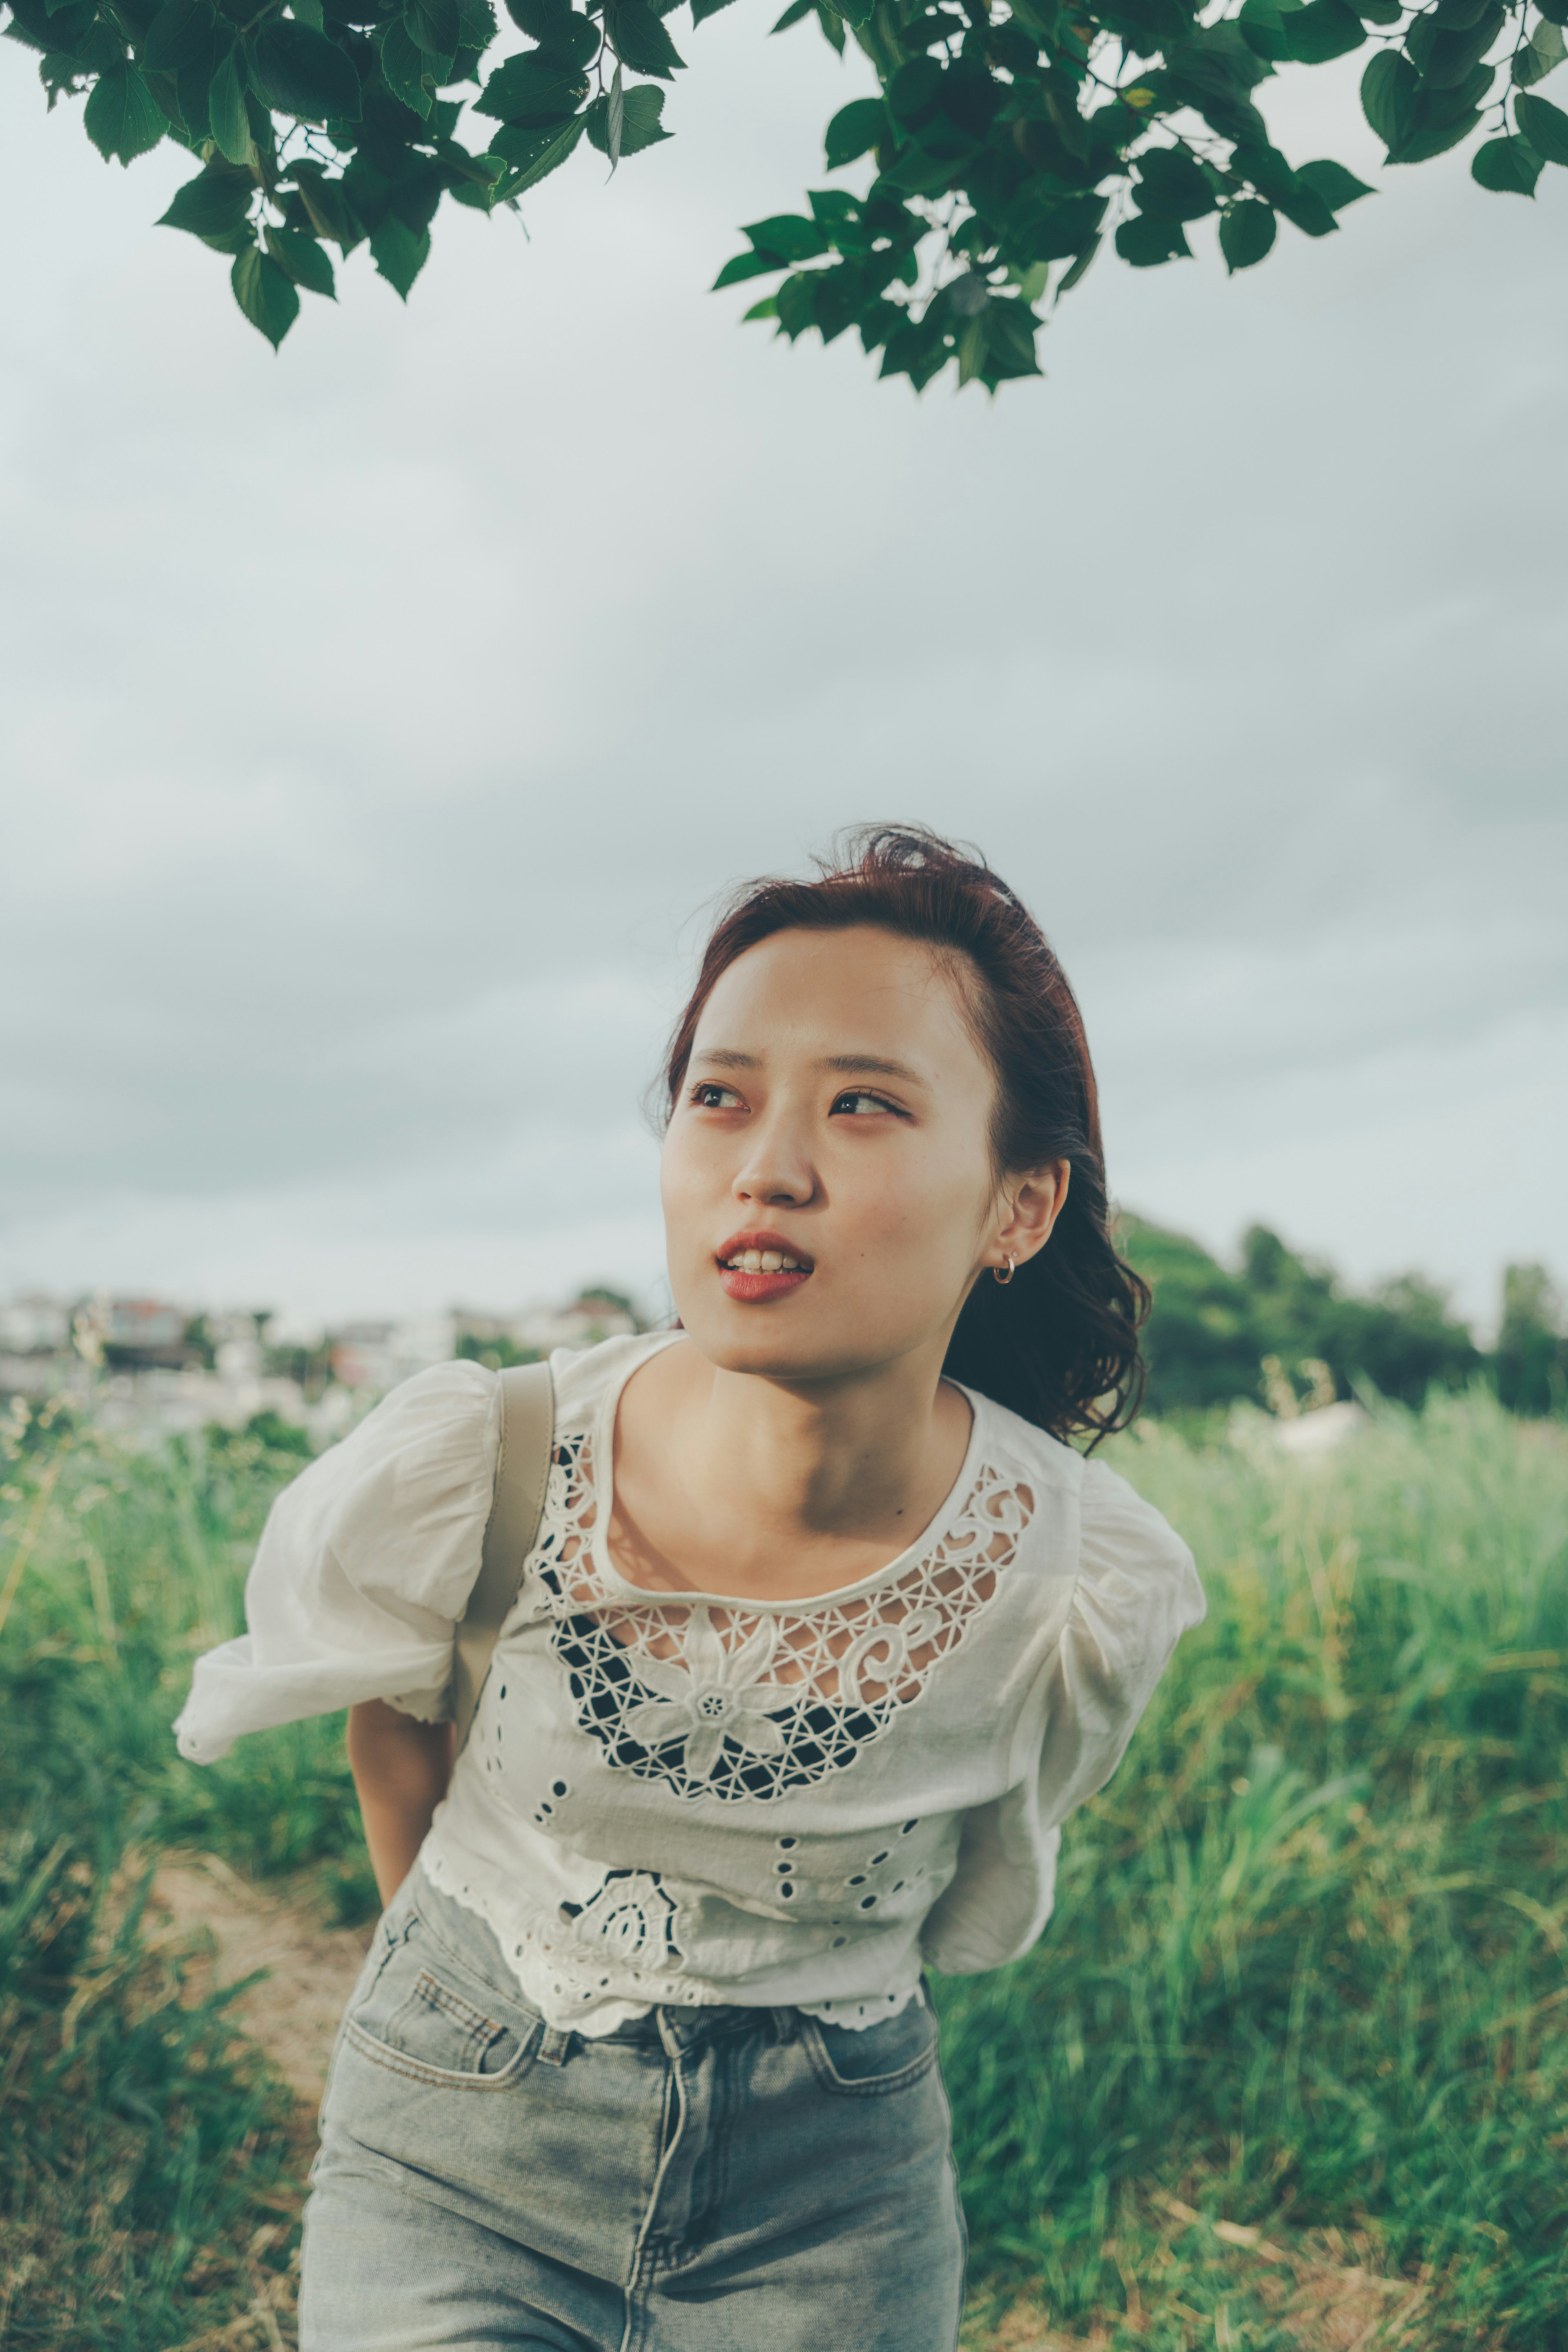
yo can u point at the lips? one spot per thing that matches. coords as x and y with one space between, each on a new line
756 1265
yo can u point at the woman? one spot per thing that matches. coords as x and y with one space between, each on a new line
826 1630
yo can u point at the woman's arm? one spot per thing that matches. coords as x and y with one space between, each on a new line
401 1769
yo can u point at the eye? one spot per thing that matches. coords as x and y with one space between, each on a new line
858 1103
709 1097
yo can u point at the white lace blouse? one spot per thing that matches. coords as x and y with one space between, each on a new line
679 1799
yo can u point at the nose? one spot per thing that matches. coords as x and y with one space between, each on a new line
777 1166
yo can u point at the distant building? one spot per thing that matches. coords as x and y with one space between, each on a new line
594 1314
164 1371
35 1326
145 1335
377 1356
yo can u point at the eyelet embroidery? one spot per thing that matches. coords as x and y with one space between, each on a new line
629 1920
737 1703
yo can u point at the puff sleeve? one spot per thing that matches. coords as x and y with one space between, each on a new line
1135 1594
364 1566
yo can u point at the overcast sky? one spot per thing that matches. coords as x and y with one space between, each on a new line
376 720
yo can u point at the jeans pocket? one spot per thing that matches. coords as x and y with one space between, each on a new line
877 2059
424 2015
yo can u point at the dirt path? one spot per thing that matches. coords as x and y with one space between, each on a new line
295 2010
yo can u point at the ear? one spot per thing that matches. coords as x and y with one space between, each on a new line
1032 1206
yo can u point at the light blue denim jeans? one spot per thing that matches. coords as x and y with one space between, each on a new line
721 2179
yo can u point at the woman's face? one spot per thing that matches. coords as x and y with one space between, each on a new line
834 1113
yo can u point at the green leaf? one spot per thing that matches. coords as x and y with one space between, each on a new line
264 293
302 73
1509 167
570 39
1171 185
915 92
1247 233
470 179
1554 11
640 125
1545 126
531 90
1307 211
331 213
1010 330
1080 270
1269 173
192 84
534 154
1389 88
537 18
1436 140
180 34
1323 29
790 237
794 299
1148 26
60 75
639 39
1542 53
832 25
405 67
433 26
796 14
122 117
1262 27
1444 58
767 309
703 9
400 253
214 203
1048 227
744 266
972 350
303 259
227 113
854 129
1331 181
1146 241
1379 12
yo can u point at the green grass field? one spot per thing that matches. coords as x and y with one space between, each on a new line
1306 1980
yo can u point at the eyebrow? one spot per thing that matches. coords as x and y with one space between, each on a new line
727 1058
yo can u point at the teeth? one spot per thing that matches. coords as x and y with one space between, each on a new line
772 1261
752 1261
763 1262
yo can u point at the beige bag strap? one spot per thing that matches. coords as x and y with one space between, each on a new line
522 1473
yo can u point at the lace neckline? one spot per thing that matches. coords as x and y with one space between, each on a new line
799 1604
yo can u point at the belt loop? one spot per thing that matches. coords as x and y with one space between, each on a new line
555 2047
786 2022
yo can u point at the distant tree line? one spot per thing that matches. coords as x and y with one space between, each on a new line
1212 1327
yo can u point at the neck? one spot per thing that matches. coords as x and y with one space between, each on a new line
741 1481
838 1457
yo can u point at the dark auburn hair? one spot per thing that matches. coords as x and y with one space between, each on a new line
1059 1344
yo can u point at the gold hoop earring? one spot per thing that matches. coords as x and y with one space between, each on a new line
1005 1278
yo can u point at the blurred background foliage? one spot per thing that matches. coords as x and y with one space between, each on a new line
1213 1324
